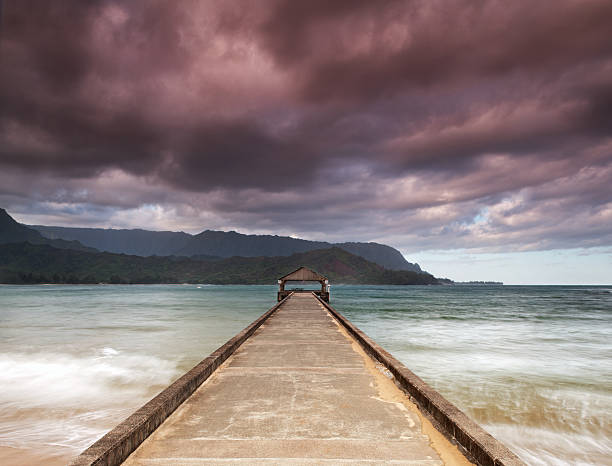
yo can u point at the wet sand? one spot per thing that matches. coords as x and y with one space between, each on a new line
20 457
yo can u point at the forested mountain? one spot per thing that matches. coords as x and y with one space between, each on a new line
137 242
26 256
217 243
12 231
23 263
205 246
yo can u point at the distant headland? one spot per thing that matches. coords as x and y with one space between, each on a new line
478 282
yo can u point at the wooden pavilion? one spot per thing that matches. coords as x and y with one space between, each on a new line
303 274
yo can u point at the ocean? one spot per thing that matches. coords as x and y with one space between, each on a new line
531 364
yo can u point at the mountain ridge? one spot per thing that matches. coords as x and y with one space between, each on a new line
12 231
26 263
217 243
26 257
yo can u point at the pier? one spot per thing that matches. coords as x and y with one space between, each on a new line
301 385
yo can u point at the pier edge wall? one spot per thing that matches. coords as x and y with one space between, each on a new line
120 442
474 441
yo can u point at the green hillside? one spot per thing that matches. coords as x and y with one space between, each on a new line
33 263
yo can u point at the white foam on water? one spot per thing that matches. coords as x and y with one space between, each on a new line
75 361
58 434
55 379
109 352
66 401
542 447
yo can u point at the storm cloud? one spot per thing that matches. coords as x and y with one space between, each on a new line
423 124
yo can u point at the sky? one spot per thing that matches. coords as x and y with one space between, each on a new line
473 136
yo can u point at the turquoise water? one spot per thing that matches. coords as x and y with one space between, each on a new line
533 365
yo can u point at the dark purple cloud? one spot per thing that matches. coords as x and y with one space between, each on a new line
427 124
362 50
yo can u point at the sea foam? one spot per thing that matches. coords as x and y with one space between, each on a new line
68 401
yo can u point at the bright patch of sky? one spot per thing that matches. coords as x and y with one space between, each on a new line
591 266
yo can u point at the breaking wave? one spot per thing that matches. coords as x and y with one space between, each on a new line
65 401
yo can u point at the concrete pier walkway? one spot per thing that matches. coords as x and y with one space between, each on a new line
300 390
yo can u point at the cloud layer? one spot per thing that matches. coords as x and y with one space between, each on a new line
424 124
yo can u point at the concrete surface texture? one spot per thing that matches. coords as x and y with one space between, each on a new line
299 391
